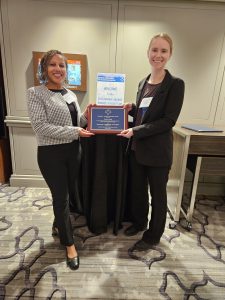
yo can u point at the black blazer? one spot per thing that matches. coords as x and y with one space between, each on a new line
154 138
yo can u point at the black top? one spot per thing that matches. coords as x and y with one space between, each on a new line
149 90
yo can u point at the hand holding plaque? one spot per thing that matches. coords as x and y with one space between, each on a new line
107 119
108 115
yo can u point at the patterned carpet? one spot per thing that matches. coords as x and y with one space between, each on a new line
185 265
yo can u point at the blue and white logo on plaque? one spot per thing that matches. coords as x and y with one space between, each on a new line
110 89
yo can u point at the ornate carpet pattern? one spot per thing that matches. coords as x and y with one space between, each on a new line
185 265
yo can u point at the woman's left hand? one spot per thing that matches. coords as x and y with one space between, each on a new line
127 133
87 109
85 133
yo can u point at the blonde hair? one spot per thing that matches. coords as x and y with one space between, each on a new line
164 36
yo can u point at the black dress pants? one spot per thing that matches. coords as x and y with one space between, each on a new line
156 178
59 165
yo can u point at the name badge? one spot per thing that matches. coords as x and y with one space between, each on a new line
67 97
69 100
145 102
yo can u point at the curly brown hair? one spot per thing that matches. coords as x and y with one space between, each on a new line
42 70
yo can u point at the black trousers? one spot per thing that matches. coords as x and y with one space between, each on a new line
156 178
59 165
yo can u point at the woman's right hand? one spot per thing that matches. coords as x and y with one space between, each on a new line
127 133
127 106
85 133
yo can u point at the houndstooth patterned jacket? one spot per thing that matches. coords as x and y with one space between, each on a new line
50 116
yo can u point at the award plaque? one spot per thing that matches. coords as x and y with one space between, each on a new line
107 119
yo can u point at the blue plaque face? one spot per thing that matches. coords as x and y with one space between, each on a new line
107 119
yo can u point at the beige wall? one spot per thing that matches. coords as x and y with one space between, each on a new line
198 58
114 35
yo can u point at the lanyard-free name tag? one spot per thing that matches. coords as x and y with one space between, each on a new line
145 102
68 98
69 101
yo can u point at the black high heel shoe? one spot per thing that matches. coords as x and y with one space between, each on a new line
55 231
73 263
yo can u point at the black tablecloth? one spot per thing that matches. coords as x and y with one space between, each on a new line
104 174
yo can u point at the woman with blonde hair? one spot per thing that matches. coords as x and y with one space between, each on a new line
158 105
